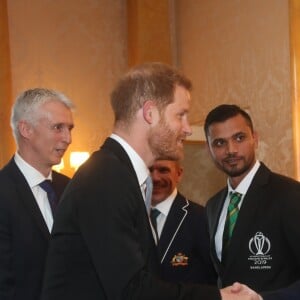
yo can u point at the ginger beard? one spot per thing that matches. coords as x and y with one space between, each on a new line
166 143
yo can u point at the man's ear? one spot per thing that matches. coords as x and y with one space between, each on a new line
148 110
25 129
179 173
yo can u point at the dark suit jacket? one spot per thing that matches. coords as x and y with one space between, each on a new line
264 252
184 244
24 235
102 245
290 293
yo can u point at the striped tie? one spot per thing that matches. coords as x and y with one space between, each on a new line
232 214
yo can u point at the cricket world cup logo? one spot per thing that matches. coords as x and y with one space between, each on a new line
259 244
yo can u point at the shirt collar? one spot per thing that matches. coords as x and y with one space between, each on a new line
243 186
32 175
165 205
139 165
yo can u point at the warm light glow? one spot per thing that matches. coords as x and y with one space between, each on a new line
78 158
59 167
295 80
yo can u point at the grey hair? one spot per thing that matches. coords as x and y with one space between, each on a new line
29 101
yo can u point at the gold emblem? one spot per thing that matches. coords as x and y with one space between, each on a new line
179 259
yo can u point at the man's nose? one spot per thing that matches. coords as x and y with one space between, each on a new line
155 176
231 147
187 128
67 136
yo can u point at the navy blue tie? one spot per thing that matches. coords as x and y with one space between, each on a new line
52 197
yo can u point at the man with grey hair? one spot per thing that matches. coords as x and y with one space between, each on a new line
41 121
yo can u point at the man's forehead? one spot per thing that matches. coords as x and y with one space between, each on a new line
164 164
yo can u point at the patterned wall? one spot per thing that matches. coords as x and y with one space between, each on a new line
237 52
234 51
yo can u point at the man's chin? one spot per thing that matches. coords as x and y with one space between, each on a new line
234 173
56 161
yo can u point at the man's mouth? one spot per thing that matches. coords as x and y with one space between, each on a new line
232 160
61 152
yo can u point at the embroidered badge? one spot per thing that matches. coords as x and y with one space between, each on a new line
179 259
259 247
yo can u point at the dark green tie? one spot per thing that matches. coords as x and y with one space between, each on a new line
232 214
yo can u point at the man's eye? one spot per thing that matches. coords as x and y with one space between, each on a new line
240 137
57 127
164 170
181 115
218 143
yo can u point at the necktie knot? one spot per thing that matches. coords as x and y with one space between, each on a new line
235 199
154 213
47 186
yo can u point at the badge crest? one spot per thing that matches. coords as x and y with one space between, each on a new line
179 259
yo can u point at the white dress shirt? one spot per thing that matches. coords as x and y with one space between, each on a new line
164 208
139 166
34 178
242 188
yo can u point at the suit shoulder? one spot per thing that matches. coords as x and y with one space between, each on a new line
195 206
266 176
282 179
216 196
8 174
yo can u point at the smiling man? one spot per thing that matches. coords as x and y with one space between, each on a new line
41 121
180 228
254 220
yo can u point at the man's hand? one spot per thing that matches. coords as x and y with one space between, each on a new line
239 291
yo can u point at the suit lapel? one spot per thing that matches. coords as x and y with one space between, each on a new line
113 146
216 210
175 218
248 211
149 245
27 198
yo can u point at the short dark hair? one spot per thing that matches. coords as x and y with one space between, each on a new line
149 81
224 112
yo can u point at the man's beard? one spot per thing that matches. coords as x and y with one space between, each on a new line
163 142
236 171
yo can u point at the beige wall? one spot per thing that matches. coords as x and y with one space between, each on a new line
149 37
234 51
7 145
238 52
78 47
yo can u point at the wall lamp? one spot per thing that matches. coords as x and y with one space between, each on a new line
78 158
